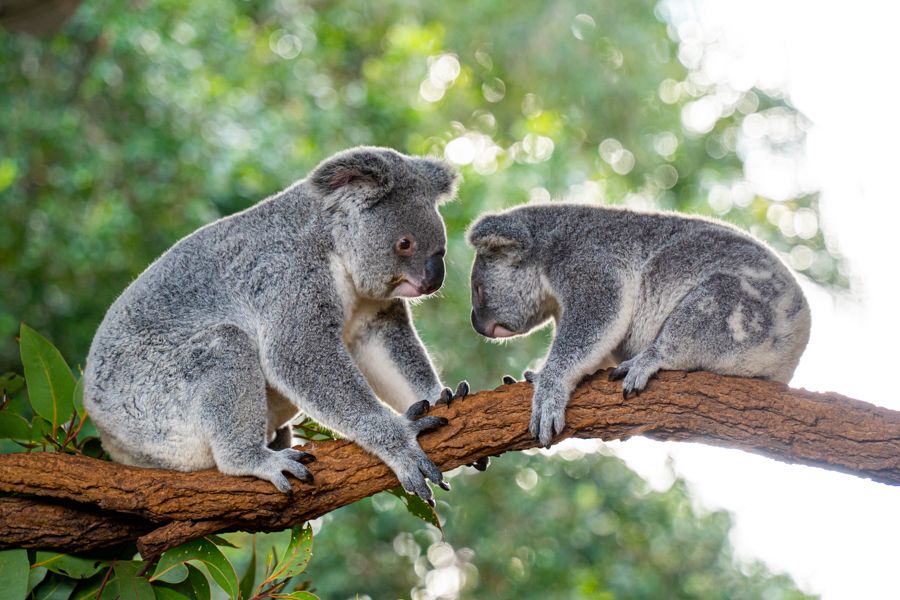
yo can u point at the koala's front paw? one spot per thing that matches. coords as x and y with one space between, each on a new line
448 395
548 413
285 461
413 466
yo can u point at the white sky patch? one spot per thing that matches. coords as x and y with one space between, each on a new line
837 535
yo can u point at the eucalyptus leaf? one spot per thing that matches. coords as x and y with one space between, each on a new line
14 427
130 585
199 583
204 551
50 381
67 565
14 571
164 593
417 507
249 579
297 554
55 587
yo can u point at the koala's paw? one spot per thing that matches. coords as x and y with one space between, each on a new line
413 467
448 395
636 373
548 413
285 461
531 376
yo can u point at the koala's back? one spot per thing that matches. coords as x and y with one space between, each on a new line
162 332
716 297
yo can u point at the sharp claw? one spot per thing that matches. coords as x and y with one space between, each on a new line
508 380
462 390
444 485
430 502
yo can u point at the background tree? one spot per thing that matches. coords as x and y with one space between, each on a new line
138 123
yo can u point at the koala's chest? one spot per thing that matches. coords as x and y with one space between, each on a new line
358 323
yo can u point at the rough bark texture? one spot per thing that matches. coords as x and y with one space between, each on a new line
76 503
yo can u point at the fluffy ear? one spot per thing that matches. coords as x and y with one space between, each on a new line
363 175
502 233
441 177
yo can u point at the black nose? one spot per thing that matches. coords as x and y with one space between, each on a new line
478 325
434 273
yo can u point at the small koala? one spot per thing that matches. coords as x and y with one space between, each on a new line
648 291
298 303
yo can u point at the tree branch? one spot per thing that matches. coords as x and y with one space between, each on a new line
796 426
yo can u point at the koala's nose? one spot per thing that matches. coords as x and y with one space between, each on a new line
479 326
434 273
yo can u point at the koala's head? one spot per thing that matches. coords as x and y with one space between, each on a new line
509 296
387 226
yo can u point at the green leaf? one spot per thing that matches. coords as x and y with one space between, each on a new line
14 571
10 383
176 574
249 578
164 593
417 507
14 426
297 554
36 576
198 582
78 396
130 585
203 550
50 381
55 587
301 595
69 566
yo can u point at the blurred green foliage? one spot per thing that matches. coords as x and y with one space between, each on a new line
570 526
140 122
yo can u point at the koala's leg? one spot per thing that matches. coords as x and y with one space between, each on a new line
231 399
719 326
590 328
394 361
284 438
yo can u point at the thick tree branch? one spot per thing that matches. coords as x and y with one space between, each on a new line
796 426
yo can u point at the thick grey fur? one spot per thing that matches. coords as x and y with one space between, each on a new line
288 306
649 291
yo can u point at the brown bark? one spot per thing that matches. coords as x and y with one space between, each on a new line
796 426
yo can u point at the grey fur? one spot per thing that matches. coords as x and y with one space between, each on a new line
288 306
648 290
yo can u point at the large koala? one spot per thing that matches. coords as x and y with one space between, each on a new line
649 291
295 304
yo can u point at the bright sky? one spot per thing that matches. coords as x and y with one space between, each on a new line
837 535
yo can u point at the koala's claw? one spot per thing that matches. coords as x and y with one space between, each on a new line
508 380
417 410
448 395
286 461
618 373
530 376
481 464
428 424
415 468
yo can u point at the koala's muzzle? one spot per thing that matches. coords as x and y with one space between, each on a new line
434 274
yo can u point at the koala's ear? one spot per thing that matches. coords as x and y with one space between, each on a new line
503 233
363 175
441 177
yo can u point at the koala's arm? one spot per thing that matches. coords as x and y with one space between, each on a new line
594 319
305 359
394 361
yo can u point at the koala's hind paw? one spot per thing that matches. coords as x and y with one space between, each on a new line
448 395
636 372
286 461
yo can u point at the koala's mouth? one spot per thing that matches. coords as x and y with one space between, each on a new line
407 289
499 331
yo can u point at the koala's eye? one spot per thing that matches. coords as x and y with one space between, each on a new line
405 246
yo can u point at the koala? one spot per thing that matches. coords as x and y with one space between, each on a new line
298 303
648 291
